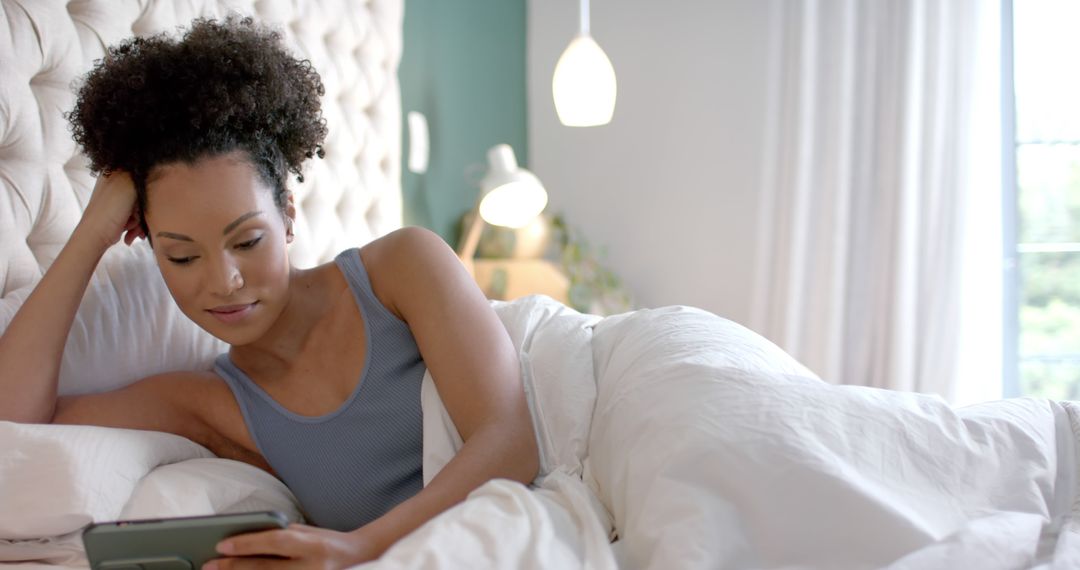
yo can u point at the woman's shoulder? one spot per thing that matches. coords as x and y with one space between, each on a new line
403 262
398 247
401 244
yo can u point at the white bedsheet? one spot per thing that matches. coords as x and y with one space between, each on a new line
709 448
710 456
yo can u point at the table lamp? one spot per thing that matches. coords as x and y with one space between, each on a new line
510 196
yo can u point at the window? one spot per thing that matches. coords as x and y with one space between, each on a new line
1045 207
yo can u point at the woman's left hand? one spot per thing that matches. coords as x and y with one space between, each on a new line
298 546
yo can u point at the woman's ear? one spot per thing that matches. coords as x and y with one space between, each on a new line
290 217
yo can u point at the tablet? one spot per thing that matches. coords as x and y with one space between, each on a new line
169 544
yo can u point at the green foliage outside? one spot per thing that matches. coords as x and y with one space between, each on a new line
1049 195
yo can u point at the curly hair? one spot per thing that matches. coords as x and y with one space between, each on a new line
223 86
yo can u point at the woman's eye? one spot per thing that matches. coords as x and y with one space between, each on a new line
249 243
181 260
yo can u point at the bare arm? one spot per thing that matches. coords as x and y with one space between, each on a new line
33 343
195 405
476 372
158 403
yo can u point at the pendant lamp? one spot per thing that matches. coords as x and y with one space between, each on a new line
584 81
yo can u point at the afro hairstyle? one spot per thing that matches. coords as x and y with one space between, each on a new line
223 86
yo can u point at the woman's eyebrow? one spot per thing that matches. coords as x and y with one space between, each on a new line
238 221
171 235
232 226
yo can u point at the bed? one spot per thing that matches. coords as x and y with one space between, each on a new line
669 437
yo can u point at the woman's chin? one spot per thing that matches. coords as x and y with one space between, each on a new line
231 337
231 334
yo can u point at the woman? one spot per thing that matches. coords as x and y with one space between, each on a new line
193 139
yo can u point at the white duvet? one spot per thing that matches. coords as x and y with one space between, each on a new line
696 441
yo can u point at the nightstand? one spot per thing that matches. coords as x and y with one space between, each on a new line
506 279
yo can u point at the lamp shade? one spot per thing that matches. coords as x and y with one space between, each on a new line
513 196
584 84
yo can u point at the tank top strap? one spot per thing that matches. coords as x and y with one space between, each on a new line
356 275
242 390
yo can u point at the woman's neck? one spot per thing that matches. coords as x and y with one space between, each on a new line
308 302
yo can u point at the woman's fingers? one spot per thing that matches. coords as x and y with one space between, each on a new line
133 228
270 542
253 563
298 546
111 209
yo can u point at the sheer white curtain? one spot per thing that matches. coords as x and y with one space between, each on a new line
875 121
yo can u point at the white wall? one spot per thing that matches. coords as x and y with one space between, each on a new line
670 185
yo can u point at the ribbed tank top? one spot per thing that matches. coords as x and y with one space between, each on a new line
354 464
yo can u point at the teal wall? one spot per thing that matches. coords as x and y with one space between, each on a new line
463 67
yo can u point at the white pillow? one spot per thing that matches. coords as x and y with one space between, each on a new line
128 327
55 479
209 486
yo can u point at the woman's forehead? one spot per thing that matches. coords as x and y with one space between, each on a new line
206 197
231 164
210 181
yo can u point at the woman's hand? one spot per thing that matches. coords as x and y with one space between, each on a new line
111 211
298 546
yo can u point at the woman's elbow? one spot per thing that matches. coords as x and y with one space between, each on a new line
21 411
527 465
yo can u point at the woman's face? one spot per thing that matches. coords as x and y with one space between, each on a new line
219 240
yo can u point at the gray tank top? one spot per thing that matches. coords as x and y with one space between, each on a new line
354 464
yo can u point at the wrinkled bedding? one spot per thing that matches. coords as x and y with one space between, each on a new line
711 450
692 442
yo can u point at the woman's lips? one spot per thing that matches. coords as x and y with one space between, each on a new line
230 314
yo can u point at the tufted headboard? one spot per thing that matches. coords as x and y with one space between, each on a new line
347 199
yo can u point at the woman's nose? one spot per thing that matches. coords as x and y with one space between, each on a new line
228 278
